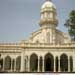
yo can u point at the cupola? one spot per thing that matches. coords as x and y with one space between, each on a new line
48 14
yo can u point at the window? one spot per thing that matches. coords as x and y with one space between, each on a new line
51 15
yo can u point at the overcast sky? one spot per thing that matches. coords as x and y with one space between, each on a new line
19 18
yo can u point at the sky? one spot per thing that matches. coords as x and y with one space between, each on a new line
19 18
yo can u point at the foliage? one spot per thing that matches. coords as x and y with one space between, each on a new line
70 24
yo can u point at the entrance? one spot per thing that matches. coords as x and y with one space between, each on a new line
49 63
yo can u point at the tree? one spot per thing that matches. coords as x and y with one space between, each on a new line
70 24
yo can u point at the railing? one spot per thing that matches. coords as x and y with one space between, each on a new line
47 45
72 44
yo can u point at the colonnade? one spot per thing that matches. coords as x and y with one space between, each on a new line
19 65
9 64
54 65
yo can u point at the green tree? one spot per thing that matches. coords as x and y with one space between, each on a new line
70 24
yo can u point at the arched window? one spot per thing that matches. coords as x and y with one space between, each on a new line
33 63
18 63
48 15
7 65
71 63
41 64
64 63
51 15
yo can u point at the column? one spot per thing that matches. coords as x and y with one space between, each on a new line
22 62
3 65
43 66
25 64
28 63
59 63
68 64
38 63
0 64
54 64
15 65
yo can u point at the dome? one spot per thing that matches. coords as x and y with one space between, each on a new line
48 5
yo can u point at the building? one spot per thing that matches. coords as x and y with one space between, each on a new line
46 50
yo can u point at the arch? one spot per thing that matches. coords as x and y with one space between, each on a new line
49 62
7 65
56 62
18 63
33 62
64 63
71 64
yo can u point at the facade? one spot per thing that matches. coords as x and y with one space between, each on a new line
46 50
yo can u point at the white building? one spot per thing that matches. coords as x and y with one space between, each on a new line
46 50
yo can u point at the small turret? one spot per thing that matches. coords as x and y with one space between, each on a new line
48 15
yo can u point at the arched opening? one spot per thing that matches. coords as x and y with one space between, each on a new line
1 64
18 63
64 63
49 62
71 64
7 65
56 62
33 63
41 64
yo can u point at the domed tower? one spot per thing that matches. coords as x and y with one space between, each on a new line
48 15
48 33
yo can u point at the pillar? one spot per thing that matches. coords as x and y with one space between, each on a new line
38 63
58 63
15 65
68 64
12 66
54 64
0 64
22 62
3 64
25 64
28 63
43 66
